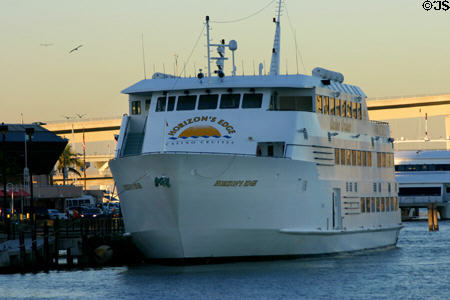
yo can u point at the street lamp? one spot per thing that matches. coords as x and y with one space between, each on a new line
4 131
29 131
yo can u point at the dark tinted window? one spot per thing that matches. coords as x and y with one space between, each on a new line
171 105
252 101
136 107
147 104
230 100
434 167
161 104
208 101
420 191
186 102
296 103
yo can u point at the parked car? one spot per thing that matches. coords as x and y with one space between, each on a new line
84 212
54 214
42 213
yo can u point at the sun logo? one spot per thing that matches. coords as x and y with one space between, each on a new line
200 131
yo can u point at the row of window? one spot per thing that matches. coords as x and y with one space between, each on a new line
337 107
201 102
378 204
430 167
362 158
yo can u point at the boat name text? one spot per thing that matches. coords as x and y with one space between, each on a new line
340 125
235 183
210 119
133 186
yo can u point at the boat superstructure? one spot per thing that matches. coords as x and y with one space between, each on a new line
424 178
266 165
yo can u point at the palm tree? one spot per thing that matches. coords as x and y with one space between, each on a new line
70 161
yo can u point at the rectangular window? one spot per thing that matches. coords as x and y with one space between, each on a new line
343 157
326 105
363 205
161 104
270 150
383 209
351 186
364 159
355 111
336 156
147 104
389 187
374 187
378 204
368 204
338 107
332 110
388 206
208 101
358 158
343 108
253 100
293 103
356 187
369 158
319 104
392 204
395 203
136 107
372 204
349 109
230 101
348 157
353 157
186 102
383 159
171 105
379 159
379 187
359 111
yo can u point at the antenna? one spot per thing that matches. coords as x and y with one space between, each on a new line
275 62
296 50
143 55
207 46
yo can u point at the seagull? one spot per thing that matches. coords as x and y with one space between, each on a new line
46 44
80 115
76 48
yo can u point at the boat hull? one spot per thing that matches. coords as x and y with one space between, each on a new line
211 205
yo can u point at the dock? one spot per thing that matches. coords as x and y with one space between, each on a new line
45 245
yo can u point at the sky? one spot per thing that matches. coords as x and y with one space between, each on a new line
388 48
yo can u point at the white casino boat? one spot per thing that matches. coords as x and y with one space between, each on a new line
268 165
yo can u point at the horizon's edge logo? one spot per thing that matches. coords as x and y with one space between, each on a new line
202 128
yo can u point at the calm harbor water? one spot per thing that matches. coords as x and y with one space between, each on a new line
419 268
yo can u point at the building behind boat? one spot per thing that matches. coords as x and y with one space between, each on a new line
420 126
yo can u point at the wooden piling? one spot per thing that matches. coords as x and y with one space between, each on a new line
56 241
430 217
435 218
34 251
69 257
22 250
46 246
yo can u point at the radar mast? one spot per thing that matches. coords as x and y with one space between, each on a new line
275 62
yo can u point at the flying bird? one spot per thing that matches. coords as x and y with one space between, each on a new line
46 44
80 115
76 48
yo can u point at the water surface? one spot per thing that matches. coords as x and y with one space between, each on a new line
419 268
